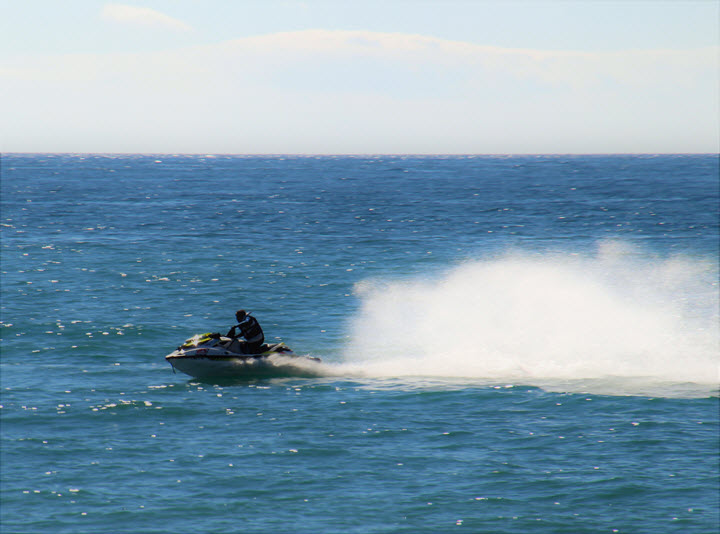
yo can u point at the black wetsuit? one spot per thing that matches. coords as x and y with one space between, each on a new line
252 332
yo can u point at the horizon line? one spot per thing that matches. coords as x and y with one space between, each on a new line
357 154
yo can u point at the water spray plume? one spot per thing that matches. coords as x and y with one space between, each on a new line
531 318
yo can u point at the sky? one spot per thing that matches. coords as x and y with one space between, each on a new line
360 77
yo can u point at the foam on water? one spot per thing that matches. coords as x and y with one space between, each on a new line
540 319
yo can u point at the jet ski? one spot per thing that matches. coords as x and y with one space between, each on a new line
211 355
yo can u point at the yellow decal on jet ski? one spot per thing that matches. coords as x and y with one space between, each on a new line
199 339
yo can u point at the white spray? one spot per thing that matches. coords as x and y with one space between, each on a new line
531 318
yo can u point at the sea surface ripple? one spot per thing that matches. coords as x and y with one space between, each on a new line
509 344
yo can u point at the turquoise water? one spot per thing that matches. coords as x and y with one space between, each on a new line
509 344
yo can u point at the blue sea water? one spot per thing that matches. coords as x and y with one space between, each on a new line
509 344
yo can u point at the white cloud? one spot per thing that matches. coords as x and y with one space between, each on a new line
409 51
142 16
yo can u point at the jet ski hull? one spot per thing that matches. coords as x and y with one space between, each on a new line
216 361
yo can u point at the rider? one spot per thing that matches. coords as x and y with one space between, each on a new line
249 329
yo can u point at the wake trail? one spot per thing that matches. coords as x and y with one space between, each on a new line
618 313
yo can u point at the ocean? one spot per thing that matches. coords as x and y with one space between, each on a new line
509 344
